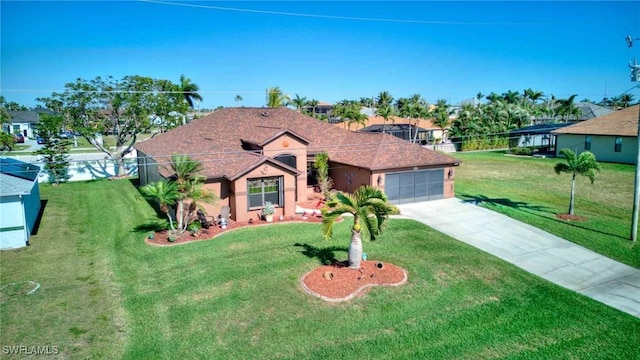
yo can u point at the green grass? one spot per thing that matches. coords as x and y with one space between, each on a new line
106 294
529 190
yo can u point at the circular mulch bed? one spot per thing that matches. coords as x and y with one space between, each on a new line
161 238
338 282
569 217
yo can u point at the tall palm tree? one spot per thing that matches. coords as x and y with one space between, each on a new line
584 164
442 113
384 98
313 103
238 99
189 90
276 98
387 113
299 102
566 107
626 100
369 206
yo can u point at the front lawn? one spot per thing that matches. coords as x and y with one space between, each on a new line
528 189
106 294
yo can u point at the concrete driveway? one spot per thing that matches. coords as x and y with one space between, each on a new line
538 252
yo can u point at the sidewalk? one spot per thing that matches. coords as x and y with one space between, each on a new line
548 256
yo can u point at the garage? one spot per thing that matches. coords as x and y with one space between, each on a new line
414 186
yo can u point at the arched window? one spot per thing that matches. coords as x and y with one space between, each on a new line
287 159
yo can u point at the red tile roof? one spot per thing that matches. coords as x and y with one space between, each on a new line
216 141
618 123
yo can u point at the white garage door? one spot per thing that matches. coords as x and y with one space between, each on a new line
414 186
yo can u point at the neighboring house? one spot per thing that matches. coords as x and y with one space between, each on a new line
26 122
322 109
254 155
612 137
587 111
536 136
399 127
19 202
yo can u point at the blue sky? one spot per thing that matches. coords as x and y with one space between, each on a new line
346 50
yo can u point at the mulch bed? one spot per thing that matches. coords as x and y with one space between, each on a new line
569 217
161 238
338 282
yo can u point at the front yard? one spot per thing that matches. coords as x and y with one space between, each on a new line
106 294
529 190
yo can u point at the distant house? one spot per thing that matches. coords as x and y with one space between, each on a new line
535 136
399 127
322 109
26 122
587 111
254 155
19 202
612 137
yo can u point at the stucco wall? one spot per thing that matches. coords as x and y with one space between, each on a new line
348 178
238 193
601 146
290 145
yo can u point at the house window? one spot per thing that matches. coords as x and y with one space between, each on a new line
618 146
287 160
264 189
16 129
312 174
587 142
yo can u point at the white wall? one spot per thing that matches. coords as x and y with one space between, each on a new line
12 216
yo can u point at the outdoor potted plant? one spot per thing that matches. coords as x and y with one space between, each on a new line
267 211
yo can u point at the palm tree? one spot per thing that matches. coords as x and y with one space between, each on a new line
166 193
566 107
276 98
190 185
384 98
441 113
313 103
583 164
299 102
369 206
189 90
386 112
626 100
238 99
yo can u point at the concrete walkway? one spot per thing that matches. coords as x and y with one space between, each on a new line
538 252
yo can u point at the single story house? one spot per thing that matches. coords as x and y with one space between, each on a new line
19 202
611 138
26 122
426 129
254 155
536 136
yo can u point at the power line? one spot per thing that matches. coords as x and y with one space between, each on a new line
340 17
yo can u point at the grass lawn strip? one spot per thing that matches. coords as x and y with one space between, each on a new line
527 189
106 294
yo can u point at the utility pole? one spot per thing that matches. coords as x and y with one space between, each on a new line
635 76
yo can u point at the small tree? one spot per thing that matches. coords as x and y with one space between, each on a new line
369 206
185 189
55 151
322 167
583 164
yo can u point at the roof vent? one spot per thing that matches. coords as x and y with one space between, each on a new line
265 113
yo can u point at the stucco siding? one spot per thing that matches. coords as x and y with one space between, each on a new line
240 210
603 147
